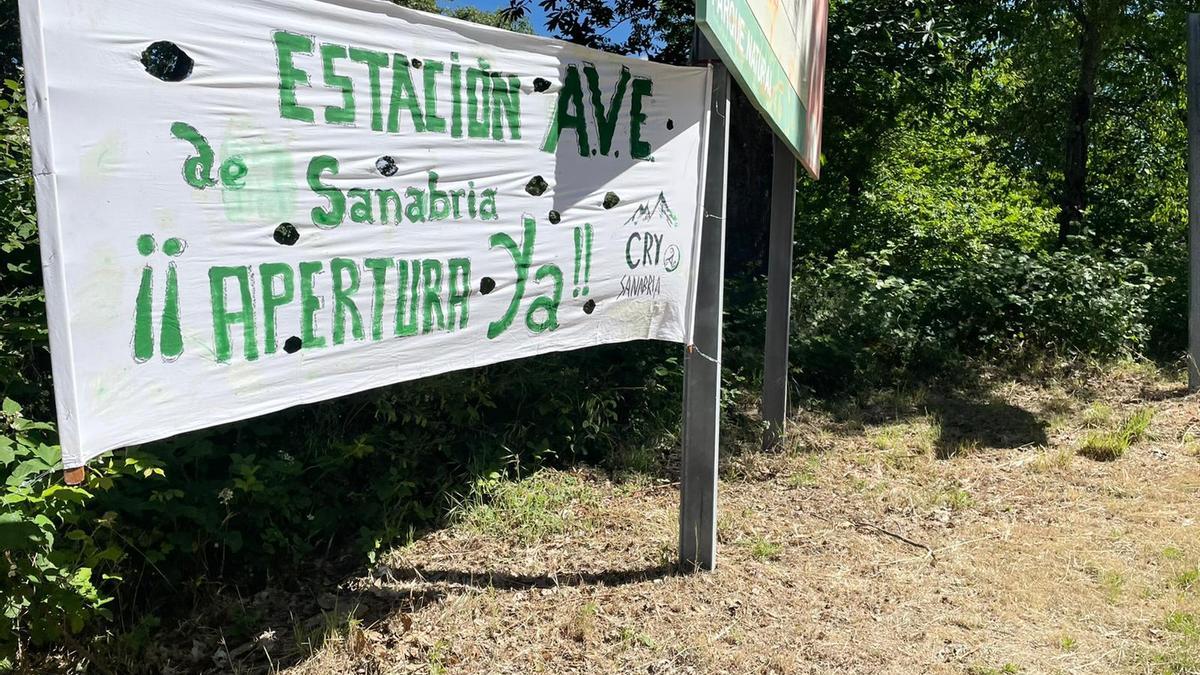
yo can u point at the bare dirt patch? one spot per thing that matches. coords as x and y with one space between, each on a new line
914 532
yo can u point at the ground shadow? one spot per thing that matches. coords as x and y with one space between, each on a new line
394 593
1159 394
990 423
500 580
968 417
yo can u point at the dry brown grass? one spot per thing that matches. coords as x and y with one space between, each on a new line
1023 556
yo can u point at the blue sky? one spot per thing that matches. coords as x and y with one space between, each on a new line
537 17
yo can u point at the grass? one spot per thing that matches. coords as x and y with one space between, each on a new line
1184 624
806 476
1108 446
1098 415
529 510
1104 446
629 635
638 460
962 449
1098 584
1191 445
1138 424
1006 669
727 526
1112 583
951 497
1188 579
1183 657
903 442
438 660
334 626
1059 403
1048 460
582 626
763 550
1177 662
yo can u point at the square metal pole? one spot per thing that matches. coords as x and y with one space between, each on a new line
702 361
1194 201
779 295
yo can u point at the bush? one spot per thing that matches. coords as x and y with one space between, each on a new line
256 497
58 549
894 314
24 357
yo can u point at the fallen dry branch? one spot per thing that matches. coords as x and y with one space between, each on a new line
862 524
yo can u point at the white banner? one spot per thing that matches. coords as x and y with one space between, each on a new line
247 205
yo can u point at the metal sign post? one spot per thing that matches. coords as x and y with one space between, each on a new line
779 295
776 51
1194 201
702 361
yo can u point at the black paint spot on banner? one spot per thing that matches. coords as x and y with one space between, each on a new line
541 84
611 199
292 345
537 186
416 63
287 234
386 166
670 124
555 217
166 61
487 285
589 306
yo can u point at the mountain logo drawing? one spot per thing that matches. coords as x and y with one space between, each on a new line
647 214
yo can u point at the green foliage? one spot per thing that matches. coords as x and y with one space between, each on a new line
59 553
896 313
1188 579
1137 425
1105 446
43 592
659 27
23 352
498 19
1183 623
231 500
10 40
937 185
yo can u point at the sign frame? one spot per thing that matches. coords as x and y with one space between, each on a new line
754 38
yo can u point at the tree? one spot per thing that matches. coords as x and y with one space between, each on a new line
661 29
882 59
1071 61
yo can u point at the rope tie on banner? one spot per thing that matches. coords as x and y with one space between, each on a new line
693 349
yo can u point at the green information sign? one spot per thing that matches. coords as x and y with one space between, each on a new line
776 51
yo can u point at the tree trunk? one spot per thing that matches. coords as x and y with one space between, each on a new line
1073 204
